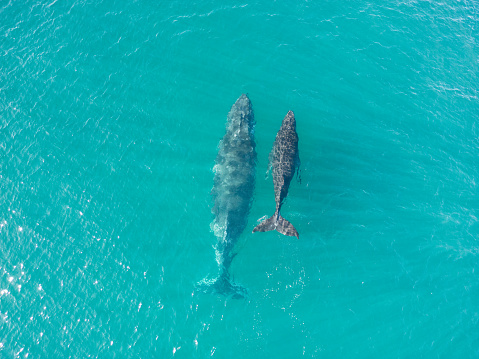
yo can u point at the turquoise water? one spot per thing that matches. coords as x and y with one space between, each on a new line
110 117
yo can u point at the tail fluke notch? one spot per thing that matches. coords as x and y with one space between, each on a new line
278 223
222 285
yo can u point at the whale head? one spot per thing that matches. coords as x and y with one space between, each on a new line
289 122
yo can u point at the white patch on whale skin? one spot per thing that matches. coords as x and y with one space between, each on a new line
262 218
218 230
218 256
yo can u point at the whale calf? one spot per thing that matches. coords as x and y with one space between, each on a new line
284 158
232 193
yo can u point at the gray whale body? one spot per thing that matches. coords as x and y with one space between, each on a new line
232 193
284 158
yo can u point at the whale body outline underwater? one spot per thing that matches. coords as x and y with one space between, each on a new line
234 183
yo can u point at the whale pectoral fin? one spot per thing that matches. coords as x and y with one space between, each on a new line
297 163
270 163
298 175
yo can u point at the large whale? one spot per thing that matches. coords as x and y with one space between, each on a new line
284 158
232 192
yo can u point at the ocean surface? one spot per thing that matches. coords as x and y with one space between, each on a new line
110 118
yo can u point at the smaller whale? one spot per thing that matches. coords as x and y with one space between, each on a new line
284 159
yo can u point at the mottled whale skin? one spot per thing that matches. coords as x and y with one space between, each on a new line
232 192
284 158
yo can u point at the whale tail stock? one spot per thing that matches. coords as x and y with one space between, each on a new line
222 285
278 223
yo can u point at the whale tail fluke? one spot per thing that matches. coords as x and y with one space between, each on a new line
278 223
222 285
